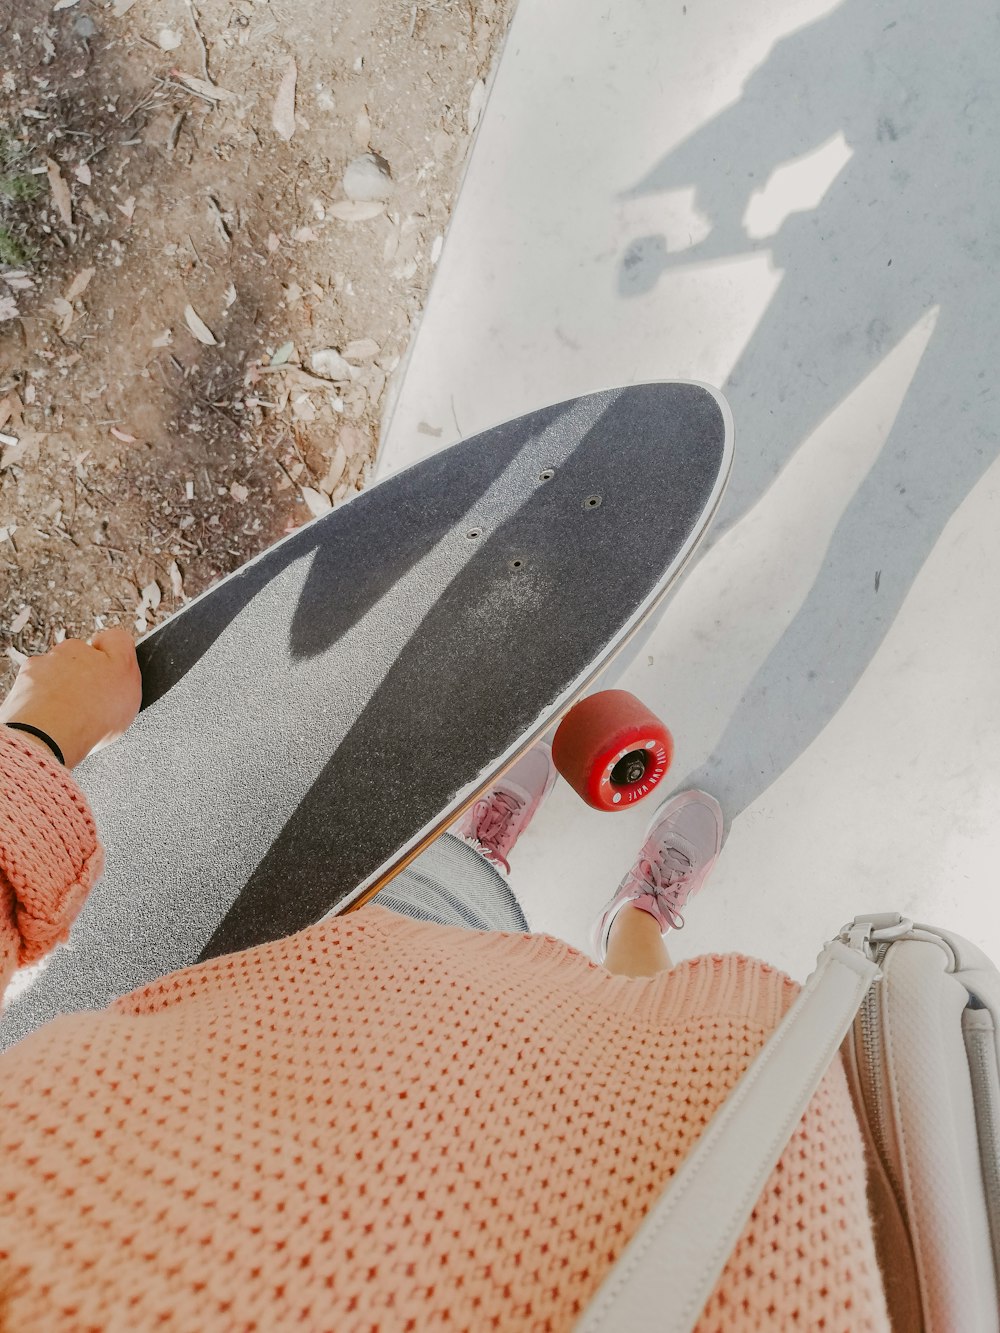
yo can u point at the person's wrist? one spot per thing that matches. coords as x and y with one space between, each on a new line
32 739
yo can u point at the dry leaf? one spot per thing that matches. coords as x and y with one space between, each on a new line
150 597
337 465
302 235
354 439
362 128
176 579
327 362
20 620
272 242
82 173
477 101
123 436
6 411
352 210
17 407
230 295
64 4
199 328
8 307
361 349
60 191
122 7
18 279
128 207
65 313
203 87
317 502
13 454
302 407
283 112
283 353
239 493
80 283
299 376
163 339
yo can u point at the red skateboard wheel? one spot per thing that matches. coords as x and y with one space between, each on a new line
612 750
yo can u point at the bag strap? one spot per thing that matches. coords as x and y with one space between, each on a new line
669 1268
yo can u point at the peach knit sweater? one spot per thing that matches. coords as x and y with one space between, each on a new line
382 1124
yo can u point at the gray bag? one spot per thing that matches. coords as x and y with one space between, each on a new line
917 1012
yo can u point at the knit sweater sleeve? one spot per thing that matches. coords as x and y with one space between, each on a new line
50 855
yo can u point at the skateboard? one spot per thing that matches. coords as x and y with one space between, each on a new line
314 720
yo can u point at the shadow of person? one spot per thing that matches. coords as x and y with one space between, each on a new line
344 581
909 224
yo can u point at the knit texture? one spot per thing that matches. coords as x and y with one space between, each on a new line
49 853
383 1124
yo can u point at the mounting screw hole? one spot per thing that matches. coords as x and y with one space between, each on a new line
516 564
592 502
547 475
473 533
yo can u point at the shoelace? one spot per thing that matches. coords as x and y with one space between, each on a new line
493 824
666 879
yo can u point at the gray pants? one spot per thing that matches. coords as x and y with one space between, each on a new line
452 884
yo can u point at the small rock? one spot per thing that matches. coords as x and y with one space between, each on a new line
328 363
85 27
368 178
168 39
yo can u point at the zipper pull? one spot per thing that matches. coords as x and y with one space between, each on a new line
874 928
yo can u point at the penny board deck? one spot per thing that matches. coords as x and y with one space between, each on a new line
317 716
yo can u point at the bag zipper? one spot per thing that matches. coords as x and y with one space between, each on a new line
873 938
872 1079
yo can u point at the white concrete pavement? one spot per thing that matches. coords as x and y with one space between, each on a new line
795 201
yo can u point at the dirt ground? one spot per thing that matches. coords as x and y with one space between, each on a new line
176 244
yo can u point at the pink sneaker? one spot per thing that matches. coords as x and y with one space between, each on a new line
494 823
681 847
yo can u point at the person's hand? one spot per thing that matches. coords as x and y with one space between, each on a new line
82 695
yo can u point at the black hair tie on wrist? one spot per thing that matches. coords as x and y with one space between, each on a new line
42 736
